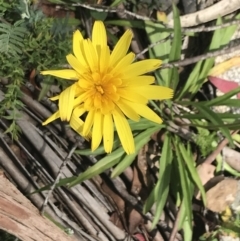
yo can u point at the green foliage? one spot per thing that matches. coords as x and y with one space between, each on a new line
175 52
11 38
229 229
162 185
115 157
178 176
29 40
204 140
221 38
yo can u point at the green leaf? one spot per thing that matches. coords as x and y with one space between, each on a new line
102 165
184 181
224 99
214 118
198 75
140 140
165 167
226 166
175 52
98 15
192 171
62 182
143 124
11 38
155 33
223 116
164 174
117 2
126 23
152 197
232 103
46 85
232 126
161 201
99 151
187 230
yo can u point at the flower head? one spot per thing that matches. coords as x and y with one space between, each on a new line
107 86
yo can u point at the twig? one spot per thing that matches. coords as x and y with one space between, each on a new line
221 8
212 28
58 176
136 44
175 226
102 8
200 57
219 148
152 46
97 8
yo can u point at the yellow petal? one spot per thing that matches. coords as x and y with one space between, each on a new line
66 102
97 131
104 58
90 55
85 84
99 36
53 117
139 80
141 67
127 110
153 92
77 38
88 122
75 122
79 110
69 74
132 96
76 65
107 106
108 132
54 97
146 112
78 48
89 103
80 99
124 131
121 48
123 63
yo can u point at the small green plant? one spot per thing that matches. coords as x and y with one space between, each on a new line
28 40
204 140
11 38
231 228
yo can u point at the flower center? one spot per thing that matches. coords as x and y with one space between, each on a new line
99 89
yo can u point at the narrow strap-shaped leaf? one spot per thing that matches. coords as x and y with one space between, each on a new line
192 171
163 161
184 182
165 167
143 124
214 118
99 151
105 163
140 140
175 52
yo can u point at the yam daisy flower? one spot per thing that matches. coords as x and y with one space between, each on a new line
107 86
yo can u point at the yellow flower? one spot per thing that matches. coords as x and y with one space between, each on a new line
107 86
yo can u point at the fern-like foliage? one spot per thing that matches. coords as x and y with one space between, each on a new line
11 38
